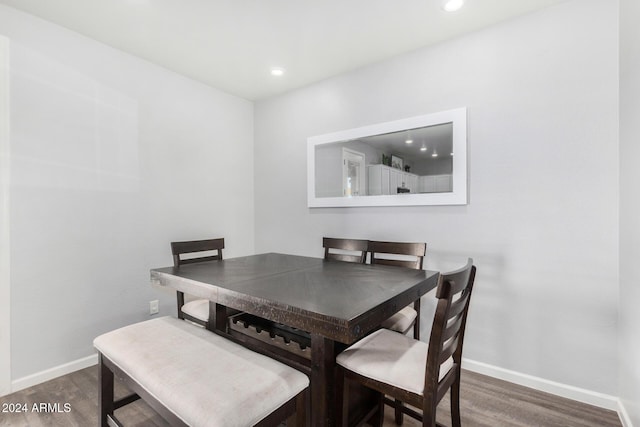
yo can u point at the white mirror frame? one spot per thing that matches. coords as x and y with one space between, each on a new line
458 117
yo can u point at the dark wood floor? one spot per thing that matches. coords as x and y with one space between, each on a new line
485 402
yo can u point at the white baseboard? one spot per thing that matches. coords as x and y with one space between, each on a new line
625 419
570 392
56 371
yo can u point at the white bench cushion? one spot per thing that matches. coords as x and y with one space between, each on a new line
203 378
198 308
401 321
391 358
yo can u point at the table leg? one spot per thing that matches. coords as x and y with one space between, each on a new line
217 317
323 364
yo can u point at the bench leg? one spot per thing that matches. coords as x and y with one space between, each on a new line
301 409
105 393
299 419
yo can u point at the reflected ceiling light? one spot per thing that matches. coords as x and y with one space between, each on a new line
409 140
434 154
423 148
452 5
276 71
452 153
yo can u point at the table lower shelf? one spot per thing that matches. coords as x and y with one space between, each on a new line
280 336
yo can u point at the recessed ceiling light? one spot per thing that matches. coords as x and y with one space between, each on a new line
452 5
277 71
409 141
434 154
423 148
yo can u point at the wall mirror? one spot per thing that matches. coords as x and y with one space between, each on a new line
409 162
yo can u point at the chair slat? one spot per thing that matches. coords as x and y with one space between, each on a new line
458 306
449 348
345 257
200 259
452 328
352 245
397 263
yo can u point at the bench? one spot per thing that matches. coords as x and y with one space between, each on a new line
193 377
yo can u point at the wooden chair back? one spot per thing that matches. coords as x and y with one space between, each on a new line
380 251
447 337
195 246
359 247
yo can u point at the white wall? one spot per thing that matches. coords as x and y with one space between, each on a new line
542 221
112 158
629 366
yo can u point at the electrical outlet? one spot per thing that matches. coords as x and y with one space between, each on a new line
153 307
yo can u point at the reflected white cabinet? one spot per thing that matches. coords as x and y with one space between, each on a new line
383 179
395 180
412 182
435 184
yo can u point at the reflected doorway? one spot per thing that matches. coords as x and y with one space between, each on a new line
353 167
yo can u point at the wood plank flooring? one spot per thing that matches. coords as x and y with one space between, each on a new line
485 402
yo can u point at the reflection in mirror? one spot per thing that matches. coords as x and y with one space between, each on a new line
409 161
421 160
353 181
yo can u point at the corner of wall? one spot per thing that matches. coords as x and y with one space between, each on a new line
625 419
5 288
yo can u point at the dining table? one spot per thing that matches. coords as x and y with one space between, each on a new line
335 303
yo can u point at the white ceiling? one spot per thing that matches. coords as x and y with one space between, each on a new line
232 44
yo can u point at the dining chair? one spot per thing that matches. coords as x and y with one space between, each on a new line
196 311
348 250
410 370
412 257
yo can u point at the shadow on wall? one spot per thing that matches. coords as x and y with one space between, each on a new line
489 268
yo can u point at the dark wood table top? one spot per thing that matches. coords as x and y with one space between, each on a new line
338 300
